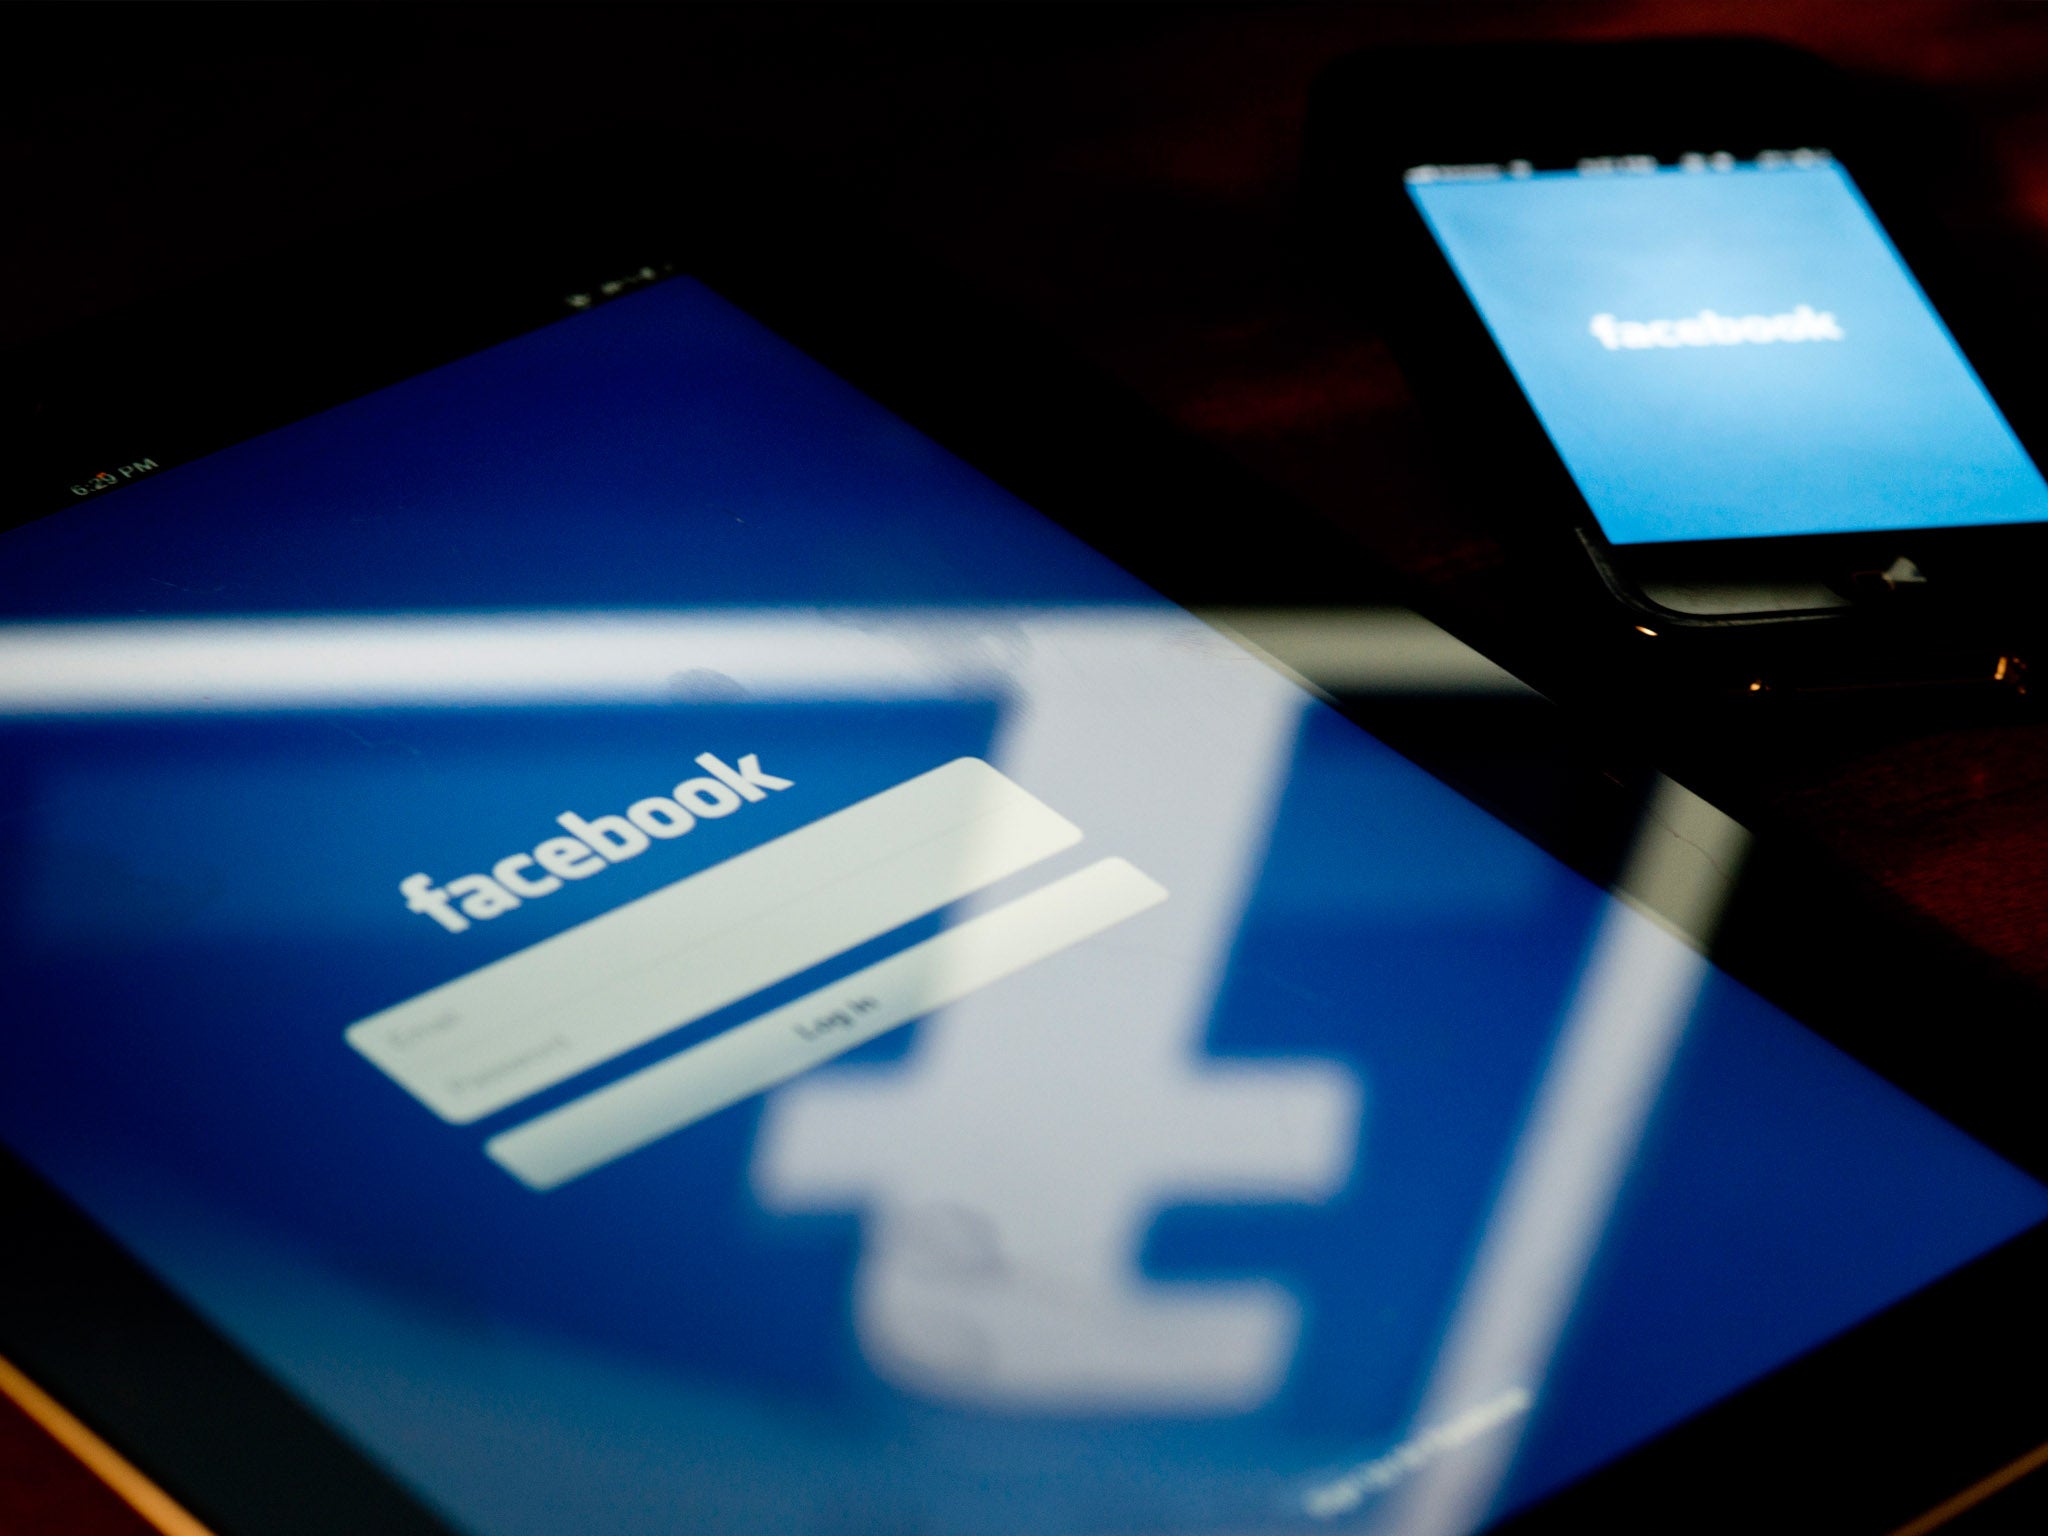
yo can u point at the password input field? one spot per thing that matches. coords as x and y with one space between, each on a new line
537 1017
773 1047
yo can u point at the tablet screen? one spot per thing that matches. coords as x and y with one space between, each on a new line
666 956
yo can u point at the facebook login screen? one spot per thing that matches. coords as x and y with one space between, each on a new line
669 957
1733 352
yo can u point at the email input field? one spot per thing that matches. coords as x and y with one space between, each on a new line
537 1017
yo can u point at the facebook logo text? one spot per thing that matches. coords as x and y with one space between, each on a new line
1710 329
592 845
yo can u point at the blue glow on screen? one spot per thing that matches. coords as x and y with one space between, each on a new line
1176 1229
1731 354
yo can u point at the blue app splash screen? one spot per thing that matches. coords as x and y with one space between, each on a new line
668 956
1730 353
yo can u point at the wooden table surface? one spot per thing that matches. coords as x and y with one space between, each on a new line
1124 175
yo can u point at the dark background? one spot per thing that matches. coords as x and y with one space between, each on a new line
1124 176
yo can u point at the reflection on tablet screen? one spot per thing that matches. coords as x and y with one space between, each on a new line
783 991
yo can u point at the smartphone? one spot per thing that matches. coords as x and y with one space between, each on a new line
1682 305
645 893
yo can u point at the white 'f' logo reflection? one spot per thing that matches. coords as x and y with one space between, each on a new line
1009 1169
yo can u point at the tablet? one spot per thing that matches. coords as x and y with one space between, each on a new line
659 881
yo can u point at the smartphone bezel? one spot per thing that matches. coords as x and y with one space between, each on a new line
1376 115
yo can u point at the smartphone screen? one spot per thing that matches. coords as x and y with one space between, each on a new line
1726 349
668 956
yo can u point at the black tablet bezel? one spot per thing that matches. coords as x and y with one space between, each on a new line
1878 1424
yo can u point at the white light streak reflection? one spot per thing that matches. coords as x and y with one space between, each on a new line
1621 1032
541 658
